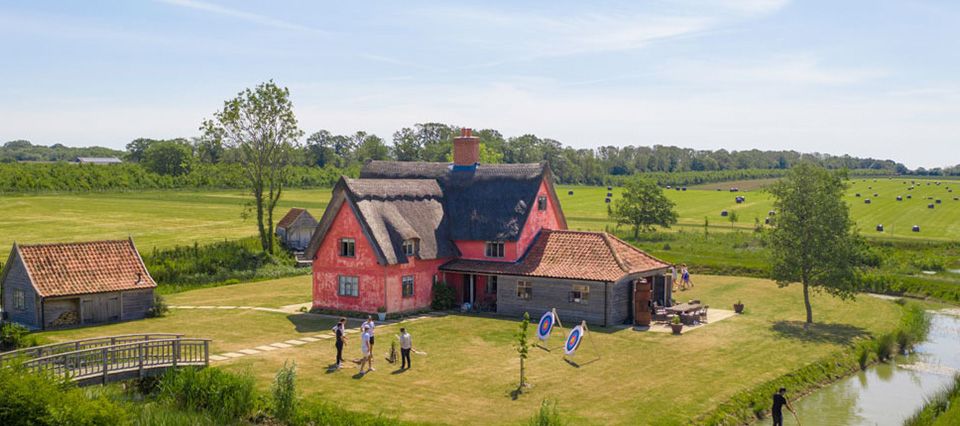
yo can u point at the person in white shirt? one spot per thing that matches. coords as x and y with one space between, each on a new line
406 344
370 325
676 281
365 350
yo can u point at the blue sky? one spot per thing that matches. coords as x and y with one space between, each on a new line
869 78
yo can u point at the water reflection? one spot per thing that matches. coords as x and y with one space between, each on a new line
886 394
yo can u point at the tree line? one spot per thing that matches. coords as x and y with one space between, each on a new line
433 142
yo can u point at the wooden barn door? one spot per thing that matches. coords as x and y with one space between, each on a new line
641 302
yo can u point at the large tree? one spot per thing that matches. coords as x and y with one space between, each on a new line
173 157
261 126
814 241
643 206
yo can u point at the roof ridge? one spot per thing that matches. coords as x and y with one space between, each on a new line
72 243
616 255
636 249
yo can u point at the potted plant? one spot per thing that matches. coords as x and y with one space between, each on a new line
738 307
382 313
676 325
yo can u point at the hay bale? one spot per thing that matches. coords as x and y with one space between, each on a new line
916 228
677 188
609 194
899 198
909 196
938 201
930 206
880 228
683 188
772 213
857 195
610 188
606 200
867 201
724 213
668 187
766 221
569 192
956 198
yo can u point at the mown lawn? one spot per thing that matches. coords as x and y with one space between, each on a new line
229 329
266 294
624 377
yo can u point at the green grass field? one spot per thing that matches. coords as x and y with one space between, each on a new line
167 218
471 368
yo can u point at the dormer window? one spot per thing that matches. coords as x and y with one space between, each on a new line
542 203
495 249
410 247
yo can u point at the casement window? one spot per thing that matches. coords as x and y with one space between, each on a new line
349 286
524 290
495 249
580 294
348 247
542 203
492 284
19 300
410 247
407 285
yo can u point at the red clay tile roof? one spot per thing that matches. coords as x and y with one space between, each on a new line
81 268
290 217
577 255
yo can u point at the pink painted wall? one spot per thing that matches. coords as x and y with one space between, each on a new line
537 220
477 250
379 285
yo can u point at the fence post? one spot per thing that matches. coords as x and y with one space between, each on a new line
106 365
176 352
206 352
140 359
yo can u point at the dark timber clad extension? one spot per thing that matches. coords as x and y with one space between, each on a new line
61 285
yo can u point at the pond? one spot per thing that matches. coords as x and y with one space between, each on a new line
888 393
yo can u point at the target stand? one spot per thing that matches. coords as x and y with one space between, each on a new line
573 342
549 321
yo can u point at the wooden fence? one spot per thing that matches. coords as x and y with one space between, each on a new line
121 361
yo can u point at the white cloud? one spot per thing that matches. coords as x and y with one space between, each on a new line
794 69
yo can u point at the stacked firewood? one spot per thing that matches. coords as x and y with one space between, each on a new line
66 318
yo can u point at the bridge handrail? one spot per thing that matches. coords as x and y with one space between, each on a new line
140 355
92 342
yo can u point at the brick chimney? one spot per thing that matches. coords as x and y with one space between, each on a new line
466 150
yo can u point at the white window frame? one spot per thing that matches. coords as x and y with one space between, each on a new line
410 247
580 293
527 286
404 281
346 283
495 249
542 203
353 247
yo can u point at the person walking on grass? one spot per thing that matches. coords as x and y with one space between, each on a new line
676 281
406 345
687 284
366 353
779 401
341 340
369 325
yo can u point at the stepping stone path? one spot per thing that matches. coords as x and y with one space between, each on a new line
288 343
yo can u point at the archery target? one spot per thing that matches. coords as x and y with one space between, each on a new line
545 326
573 340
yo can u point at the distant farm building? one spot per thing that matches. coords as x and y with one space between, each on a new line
296 228
99 160
48 286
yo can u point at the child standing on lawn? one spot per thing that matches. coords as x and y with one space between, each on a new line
366 353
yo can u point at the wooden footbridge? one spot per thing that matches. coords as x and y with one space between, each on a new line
114 358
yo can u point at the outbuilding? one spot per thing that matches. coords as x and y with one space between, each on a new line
46 286
296 228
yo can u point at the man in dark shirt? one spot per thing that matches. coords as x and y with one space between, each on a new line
338 330
780 400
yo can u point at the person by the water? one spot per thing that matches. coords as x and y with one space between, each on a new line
779 401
